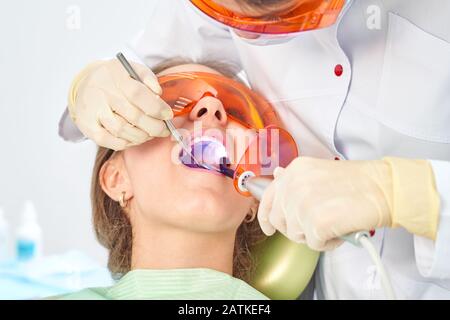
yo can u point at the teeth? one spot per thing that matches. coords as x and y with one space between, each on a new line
205 138
210 154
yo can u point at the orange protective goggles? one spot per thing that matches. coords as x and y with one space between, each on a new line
271 147
183 90
307 15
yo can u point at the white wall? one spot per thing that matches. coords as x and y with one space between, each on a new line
39 55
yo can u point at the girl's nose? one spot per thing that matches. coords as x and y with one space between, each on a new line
210 111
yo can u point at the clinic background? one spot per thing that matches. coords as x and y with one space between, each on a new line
42 49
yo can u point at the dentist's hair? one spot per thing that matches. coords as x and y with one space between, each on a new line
259 3
114 230
263 4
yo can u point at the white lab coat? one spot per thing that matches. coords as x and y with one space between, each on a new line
393 98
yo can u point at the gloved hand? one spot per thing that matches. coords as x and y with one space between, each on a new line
316 201
116 111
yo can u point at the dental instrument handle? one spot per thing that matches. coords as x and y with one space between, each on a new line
257 185
128 67
133 74
173 130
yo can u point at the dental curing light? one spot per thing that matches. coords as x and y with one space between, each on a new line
249 182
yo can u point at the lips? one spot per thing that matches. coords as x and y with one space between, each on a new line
212 134
208 149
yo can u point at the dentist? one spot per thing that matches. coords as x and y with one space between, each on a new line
365 82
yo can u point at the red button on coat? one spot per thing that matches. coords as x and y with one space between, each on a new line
339 70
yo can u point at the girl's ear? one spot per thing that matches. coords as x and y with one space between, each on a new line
114 179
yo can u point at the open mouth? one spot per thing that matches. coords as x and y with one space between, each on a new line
209 153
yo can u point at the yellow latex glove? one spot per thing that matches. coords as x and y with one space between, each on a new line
114 110
316 201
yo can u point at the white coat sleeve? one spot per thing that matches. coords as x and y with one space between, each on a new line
68 130
433 257
175 29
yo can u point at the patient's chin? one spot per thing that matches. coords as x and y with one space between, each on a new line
210 211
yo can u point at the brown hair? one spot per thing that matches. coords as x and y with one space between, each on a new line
114 231
261 4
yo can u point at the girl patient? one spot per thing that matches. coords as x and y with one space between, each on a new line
173 232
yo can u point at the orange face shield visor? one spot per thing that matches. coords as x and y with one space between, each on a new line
271 146
182 91
307 15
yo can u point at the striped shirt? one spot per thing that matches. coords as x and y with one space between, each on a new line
172 284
